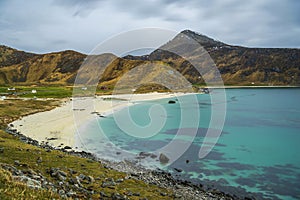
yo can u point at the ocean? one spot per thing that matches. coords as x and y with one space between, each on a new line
257 151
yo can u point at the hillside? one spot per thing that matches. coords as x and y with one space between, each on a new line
237 65
17 67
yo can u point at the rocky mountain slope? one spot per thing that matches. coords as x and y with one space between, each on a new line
237 65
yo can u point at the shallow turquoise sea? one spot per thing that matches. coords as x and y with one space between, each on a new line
258 150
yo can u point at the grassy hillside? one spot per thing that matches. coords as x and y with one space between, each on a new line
237 65
53 68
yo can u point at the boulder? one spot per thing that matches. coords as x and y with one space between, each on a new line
163 158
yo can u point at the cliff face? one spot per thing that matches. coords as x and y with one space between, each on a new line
237 65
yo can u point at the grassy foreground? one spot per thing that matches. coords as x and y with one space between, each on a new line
25 157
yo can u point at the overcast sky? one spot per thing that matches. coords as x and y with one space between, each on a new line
52 25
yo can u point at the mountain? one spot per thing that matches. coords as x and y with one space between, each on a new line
237 65
10 56
18 67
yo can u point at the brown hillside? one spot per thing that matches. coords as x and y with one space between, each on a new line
237 65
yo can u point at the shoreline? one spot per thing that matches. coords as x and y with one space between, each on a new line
137 171
183 189
58 127
251 87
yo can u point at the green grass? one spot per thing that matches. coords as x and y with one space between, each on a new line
10 189
42 91
52 91
11 110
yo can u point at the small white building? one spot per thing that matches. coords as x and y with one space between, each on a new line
33 91
11 89
3 98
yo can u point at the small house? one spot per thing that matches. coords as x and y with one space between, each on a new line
33 91
11 89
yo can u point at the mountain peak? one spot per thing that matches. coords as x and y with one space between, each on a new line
204 40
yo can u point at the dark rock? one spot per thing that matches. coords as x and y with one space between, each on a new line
2 150
67 148
72 171
30 172
171 102
117 196
178 170
223 181
144 154
51 138
71 193
73 181
90 179
153 156
177 196
61 193
103 194
129 193
136 194
62 173
39 160
163 158
58 174
163 194
82 176
108 184
120 180
48 150
17 162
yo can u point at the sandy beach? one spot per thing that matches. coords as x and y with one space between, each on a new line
58 126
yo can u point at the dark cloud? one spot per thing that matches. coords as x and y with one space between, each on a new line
80 8
52 25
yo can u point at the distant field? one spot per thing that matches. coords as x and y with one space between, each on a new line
48 91
41 92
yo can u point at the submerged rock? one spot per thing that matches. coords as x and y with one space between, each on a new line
172 102
178 170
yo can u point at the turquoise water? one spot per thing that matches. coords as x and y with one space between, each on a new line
258 150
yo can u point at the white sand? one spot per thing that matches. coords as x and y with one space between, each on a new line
62 122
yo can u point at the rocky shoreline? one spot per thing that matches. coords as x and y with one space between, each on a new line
182 189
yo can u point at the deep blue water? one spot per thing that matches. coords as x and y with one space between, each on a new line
258 150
